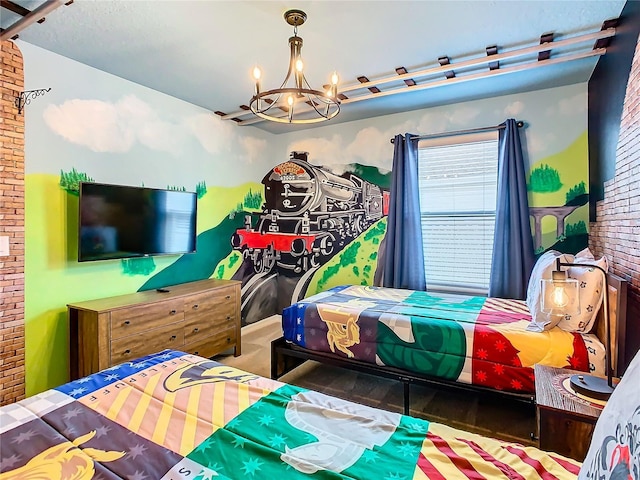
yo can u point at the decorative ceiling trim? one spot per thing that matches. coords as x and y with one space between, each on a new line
487 64
28 16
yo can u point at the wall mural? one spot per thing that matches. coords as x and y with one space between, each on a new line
309 215
122 133
559 202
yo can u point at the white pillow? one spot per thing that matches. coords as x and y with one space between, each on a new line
613 452
591 289
542 271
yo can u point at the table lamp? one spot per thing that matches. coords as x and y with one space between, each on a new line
560 297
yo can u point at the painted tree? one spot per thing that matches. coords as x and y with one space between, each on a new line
576 191
544 179
70 181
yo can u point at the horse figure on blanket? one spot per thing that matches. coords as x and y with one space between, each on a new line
342 322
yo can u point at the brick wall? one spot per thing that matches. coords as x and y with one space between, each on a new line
12 379
616 231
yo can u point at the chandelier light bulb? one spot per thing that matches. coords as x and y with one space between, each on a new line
290 100
299 65
257 73
334 79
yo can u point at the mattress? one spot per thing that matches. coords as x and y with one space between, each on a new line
474 340
173 415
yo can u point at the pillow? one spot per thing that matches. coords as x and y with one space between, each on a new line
591 289
541 271
613 452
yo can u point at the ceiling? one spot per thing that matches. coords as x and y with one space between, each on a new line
203 51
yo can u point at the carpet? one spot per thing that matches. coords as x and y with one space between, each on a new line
478 412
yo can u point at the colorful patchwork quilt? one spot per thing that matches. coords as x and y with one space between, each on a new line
175 416
475 340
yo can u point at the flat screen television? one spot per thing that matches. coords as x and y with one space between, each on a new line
117 221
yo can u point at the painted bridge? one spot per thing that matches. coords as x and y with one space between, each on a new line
538 213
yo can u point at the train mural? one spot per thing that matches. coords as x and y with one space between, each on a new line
308 215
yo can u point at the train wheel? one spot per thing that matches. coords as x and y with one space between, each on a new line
327 245
269 258
259 263
357 226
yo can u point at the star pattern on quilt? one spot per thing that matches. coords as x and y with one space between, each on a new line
370 456
102 430
9 462
395 476
252 466
277 441
76 392
238 442
495 362
137 450
25 436
234 423
138 475
408 449
266 420
516 384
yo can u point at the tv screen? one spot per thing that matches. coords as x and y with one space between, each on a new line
117 221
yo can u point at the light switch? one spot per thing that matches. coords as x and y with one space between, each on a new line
4 246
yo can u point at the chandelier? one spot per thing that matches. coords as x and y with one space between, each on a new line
295 97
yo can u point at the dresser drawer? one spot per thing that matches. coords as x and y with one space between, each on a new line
202 327
151 341
208 347
220 303
141 318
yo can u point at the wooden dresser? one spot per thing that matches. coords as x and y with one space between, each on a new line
200 317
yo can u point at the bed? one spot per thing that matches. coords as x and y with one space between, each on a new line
173 415
419 337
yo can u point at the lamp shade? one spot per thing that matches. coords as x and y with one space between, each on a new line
560 297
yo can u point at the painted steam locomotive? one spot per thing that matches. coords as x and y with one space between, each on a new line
308 215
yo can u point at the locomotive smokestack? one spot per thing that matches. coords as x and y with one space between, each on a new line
299 156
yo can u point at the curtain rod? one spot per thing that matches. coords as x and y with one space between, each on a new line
519 123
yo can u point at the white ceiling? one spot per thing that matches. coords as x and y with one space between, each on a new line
204 51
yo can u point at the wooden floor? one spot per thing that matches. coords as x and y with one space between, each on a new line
490 415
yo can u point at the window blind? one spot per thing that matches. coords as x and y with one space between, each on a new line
458 184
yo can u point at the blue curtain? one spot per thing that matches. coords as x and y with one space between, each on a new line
513 255
403 255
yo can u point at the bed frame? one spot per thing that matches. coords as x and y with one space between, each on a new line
286 356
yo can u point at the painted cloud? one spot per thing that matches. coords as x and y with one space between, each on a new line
117 127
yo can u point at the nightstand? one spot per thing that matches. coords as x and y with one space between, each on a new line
565 420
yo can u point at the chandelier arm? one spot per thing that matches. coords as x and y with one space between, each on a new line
272 104
313 104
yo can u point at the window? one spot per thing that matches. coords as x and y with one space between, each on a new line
458 186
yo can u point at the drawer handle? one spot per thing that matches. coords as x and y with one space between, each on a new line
127 322
228 317
195 307
172 312
228 339
228 297
196 329
195 353
127 352
173 337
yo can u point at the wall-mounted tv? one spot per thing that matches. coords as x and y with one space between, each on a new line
117 221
